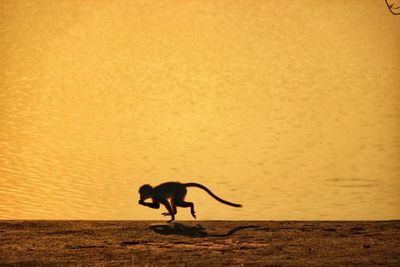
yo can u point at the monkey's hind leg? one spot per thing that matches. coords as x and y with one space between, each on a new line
178 200
185 204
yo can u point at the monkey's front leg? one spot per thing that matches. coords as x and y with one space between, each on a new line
173 209
170 211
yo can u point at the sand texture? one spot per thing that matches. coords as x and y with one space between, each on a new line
200 243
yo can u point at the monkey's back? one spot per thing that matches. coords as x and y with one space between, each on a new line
170 189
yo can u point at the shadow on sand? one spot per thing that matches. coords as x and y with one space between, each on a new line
191 231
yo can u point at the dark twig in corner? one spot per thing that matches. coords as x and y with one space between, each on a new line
392 7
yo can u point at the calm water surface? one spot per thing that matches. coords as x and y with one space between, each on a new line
293 112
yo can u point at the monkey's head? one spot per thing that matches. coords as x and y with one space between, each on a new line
145 191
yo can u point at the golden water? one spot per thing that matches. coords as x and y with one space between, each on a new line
290 109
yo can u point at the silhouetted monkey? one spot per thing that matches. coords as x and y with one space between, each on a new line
176 192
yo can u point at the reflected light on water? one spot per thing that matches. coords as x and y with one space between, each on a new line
293 112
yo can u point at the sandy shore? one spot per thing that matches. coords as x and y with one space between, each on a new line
195 243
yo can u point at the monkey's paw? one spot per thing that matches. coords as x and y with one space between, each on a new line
194 215
165 214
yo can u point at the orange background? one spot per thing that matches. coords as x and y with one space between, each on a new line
291 109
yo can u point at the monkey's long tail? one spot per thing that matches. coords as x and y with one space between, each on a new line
212 194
